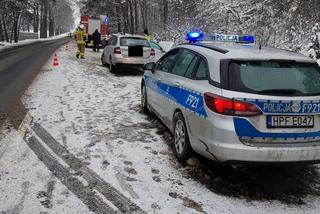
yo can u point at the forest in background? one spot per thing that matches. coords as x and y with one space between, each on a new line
47 17
284 24
289 24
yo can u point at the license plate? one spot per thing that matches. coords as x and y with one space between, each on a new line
290 121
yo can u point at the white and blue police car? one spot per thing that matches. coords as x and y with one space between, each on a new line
236 103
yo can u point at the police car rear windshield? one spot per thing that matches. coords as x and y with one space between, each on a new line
279 78
134 41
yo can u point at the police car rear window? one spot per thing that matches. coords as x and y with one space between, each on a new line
277 78
132 41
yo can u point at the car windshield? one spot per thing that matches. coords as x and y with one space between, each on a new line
275 78
156 46
131 41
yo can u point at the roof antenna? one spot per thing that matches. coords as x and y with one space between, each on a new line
260 43
260 46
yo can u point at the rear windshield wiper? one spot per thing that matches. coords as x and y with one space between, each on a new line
313 94
280 92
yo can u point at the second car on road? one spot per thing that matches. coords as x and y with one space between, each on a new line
127 51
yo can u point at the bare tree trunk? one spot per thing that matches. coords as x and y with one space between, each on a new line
44 19
5 28
165 13
1 31
118 18
36 19
131 17
17 27
125 16
145 9
11 33
136 16
51 22
143 14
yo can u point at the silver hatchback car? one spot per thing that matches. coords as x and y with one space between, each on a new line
127 51
237 104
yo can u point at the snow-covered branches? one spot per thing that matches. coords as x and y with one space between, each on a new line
314 46
32 15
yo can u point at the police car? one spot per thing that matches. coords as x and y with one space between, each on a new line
235 102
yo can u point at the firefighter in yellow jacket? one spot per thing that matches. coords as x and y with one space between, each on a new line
80 38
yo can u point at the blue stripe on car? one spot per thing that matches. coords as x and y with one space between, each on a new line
191 100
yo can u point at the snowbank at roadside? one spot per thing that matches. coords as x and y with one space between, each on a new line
6 45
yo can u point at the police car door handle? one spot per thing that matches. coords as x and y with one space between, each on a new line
177 84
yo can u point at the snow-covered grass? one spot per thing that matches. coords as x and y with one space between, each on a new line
96 115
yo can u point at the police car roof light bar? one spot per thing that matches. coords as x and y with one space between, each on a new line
194 37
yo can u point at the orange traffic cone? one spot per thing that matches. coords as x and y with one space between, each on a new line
55 60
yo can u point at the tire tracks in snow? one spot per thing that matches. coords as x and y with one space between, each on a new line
84 193
98 195
95 182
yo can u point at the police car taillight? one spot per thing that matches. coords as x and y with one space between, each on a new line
153 52
231 107
117 50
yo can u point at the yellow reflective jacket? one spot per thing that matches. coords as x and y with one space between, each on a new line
80 37
148 37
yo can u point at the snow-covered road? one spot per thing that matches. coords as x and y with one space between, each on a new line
99 152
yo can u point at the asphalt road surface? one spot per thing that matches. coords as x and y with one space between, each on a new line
19 66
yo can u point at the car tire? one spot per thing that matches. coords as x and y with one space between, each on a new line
103 62
144 99
181 148
112 67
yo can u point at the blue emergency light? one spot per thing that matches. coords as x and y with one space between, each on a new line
193 37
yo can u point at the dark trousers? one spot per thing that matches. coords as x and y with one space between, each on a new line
96 46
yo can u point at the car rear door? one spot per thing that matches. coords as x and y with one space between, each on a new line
195 84
179 85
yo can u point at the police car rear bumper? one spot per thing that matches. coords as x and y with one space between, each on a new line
238 152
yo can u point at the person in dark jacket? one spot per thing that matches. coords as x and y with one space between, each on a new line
96 40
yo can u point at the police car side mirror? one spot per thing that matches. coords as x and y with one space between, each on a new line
150 67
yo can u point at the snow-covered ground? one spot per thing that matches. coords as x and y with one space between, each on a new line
96 116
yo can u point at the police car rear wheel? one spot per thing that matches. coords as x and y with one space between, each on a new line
144 99
182 147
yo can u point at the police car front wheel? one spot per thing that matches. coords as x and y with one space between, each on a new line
182 147
144 99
